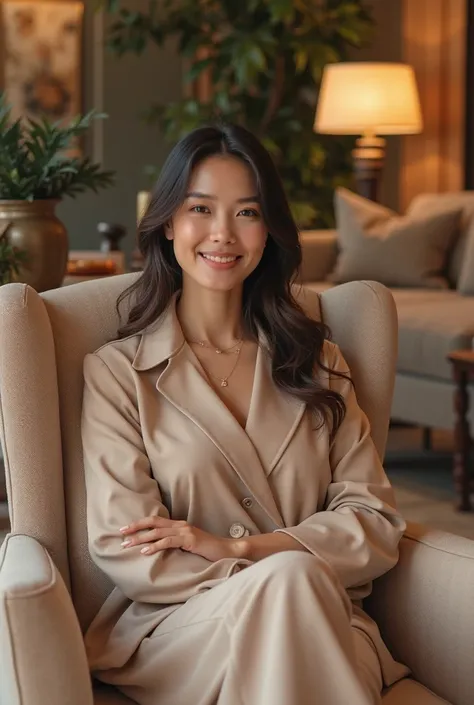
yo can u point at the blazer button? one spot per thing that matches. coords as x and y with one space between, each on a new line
247 502
238 530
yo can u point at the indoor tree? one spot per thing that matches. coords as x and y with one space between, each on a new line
264 60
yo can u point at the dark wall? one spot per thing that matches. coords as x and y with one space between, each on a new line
387 46
123 88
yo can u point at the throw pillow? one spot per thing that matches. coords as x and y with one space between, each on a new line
461 265
400 251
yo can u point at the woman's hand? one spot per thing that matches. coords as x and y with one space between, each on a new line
158 534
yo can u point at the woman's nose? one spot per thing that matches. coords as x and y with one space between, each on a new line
222 232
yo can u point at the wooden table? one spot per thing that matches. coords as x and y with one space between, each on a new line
463 370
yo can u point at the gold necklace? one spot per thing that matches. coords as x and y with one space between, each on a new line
219 351
224 381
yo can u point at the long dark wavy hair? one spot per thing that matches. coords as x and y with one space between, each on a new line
295 341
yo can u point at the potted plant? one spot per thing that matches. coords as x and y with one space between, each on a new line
38 169
261 63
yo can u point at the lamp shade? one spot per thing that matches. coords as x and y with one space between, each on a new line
368 98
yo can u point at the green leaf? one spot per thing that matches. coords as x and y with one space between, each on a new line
248 41
197 68
304 213
301 60
282 11
34 163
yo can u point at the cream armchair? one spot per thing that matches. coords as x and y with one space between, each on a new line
49 588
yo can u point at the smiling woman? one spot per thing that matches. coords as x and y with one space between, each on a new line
227 460
213 228
219 194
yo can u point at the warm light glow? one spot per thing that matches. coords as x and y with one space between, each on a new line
368 98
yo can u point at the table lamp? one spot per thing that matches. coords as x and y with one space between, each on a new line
368 99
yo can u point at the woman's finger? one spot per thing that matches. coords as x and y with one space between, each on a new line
148 523
149 536
175 541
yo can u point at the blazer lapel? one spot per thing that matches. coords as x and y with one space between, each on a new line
184 386
273 416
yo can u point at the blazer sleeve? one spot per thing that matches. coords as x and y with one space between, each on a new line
359 529
120 488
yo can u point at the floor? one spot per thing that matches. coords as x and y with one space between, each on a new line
423 481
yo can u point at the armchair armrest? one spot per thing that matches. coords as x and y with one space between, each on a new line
42 654
425 610
319 250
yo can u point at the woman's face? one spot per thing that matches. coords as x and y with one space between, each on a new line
218 232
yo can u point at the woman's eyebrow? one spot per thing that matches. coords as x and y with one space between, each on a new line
199 194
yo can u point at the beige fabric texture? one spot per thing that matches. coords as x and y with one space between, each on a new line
431 325
81 318
376 243
128 384
461 262
40 638
431 609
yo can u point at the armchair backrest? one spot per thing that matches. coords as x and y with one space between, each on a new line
43 341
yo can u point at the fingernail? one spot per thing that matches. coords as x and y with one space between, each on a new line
124 528
147 549
125 543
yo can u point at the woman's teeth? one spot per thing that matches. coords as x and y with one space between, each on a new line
219 259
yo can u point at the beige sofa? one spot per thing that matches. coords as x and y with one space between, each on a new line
49 588
432 322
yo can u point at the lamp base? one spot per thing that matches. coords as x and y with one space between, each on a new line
369 156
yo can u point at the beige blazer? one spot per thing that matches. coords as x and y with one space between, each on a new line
158 440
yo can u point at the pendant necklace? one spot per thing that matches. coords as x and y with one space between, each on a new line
234 349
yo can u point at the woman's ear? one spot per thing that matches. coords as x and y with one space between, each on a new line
169 231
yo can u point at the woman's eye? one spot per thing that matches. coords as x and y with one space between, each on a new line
249 213
200 209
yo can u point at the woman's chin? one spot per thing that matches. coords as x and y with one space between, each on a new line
220 282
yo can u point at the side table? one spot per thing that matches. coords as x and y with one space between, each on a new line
463 370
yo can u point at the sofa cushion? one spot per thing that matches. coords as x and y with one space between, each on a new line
461 262
431 324
377 244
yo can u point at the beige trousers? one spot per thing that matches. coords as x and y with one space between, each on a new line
277 633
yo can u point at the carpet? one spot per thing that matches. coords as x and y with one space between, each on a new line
423 481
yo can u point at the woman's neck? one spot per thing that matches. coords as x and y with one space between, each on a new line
211 316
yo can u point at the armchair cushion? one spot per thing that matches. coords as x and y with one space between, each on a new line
424 610
42 654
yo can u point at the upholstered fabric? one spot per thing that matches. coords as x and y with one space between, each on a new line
376 243
42 654
29 410
461 261
431 621
43 340
427 401
432 324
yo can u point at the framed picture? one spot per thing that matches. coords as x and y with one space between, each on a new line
40 64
